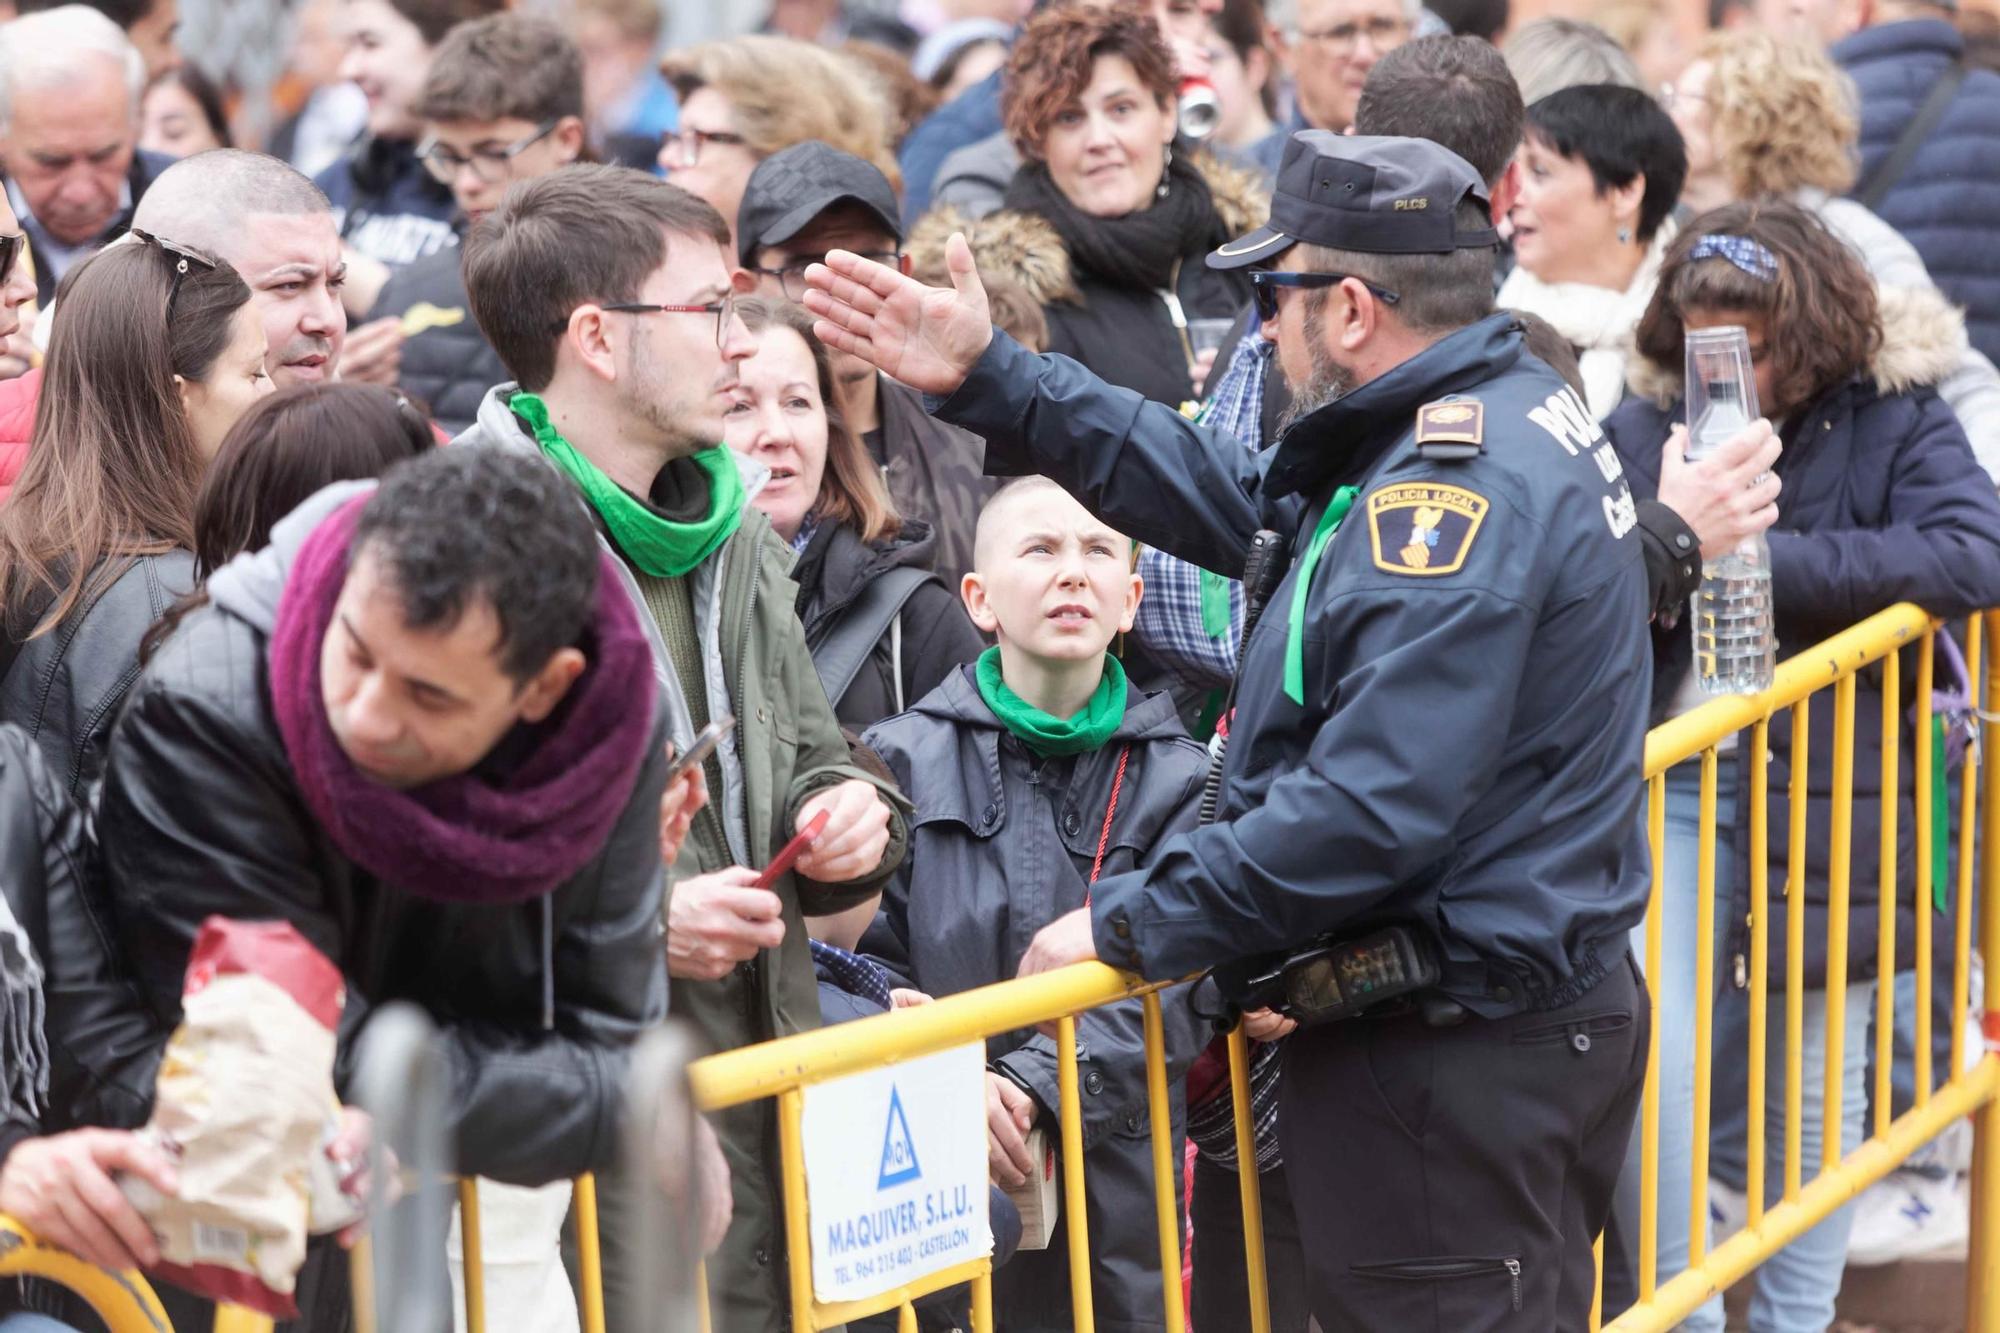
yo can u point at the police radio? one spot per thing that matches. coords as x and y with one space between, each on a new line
1334 979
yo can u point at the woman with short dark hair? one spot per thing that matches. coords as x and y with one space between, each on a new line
1883 502
1601 171
1109 218
157 353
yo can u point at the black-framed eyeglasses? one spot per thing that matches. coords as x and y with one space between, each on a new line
723 310
689 143
1265 283
183 261
792 277
488 163
11 248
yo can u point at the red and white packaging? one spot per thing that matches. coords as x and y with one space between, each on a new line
244 1104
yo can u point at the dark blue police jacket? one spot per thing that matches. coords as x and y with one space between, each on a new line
1467 757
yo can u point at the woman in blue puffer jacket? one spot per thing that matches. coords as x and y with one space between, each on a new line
1883 502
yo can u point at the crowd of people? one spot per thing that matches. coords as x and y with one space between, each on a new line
880 411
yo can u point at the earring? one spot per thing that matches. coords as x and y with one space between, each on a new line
1166 167
1624 236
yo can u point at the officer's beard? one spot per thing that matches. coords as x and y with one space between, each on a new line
1328 380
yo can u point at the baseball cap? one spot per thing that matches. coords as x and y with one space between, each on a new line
1367 193
793 186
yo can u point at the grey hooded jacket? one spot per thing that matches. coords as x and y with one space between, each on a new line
1002 844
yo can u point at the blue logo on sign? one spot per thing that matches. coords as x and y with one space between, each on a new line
899 1150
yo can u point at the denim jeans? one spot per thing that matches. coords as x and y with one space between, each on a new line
1796 1288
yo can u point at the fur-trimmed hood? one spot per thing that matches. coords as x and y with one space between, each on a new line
1025 250
1923 342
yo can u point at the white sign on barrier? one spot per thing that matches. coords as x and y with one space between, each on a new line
896 1173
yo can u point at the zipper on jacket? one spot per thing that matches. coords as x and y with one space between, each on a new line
761 1011
1445 1270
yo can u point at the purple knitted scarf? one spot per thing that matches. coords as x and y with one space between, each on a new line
462 839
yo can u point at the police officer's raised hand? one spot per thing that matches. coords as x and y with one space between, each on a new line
1727 496
716 921
1010 1114
925 337
1063 941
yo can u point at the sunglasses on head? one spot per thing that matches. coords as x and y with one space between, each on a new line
181 259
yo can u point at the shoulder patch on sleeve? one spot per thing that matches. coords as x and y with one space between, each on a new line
1422 528
1451 430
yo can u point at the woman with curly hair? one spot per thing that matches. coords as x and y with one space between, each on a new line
1109 219
1764 117
1883 502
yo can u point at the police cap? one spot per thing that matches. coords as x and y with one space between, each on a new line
1370 194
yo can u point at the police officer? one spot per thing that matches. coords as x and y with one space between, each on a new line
1439 728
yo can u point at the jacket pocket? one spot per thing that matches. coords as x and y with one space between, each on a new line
1465 1292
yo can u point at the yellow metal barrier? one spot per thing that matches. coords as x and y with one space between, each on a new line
782 1069
123 1301
1877 644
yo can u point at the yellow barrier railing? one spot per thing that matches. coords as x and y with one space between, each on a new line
1880 644
782 1069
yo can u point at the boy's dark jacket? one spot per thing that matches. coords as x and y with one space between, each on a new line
1000 846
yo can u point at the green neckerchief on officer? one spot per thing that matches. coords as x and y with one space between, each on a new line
1295 648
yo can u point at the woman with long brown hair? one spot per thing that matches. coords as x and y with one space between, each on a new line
863 570
155 354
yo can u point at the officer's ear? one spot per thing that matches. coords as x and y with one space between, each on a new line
1353 321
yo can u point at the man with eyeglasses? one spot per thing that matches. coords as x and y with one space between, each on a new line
610 296
800 203
1330 50
1433 770
503 102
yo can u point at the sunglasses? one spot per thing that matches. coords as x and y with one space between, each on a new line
182 260
10 254
1265 284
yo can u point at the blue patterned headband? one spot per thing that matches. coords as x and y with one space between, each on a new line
1746 254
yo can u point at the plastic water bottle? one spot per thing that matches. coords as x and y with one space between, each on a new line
1735 645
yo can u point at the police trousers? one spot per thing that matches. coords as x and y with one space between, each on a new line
1453 1179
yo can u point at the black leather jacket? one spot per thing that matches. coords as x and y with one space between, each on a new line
64 688
103 1042
201 814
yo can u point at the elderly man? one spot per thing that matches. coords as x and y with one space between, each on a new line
69 130
1332 47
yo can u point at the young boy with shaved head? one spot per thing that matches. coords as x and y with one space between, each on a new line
1034 770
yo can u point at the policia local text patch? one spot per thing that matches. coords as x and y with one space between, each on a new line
1423 529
